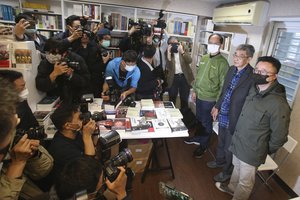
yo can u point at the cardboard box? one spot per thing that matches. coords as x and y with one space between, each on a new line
138 165
140 148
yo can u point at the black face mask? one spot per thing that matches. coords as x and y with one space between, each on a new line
260 79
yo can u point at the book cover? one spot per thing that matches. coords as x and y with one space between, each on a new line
160 113
173 113
104 126
148 114
119 124
47 103
133 112
141 125
161 125
147 104
168 104
121 112
158 104
4 52
177 125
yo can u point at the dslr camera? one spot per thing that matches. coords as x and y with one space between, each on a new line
36 133
104 144
113 92
72 64
86 115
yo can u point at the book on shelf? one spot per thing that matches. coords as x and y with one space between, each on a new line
177 125
180 27
7 13
47 103
48 22
118 21
147 104
77 10
161 125
141 125
92 11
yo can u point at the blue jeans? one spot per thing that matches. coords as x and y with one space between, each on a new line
203 109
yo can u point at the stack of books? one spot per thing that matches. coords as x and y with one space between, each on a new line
47 103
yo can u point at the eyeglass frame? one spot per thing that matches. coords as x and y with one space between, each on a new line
256 71
239 57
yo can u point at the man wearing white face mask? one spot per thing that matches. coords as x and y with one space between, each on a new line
23 110
73 139
124 72
25 31
207 88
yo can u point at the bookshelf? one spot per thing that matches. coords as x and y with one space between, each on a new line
7 11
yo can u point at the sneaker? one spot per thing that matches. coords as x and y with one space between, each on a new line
191 140
223 188
213 164
221 177
198 153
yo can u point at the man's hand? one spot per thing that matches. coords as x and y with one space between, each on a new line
214 113
89 128
118 186
60 68
133 29
24 149
75 35
180 49
123 95
106 58
194 96
20 28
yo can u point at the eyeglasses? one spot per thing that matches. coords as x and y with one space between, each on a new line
262 72
239 57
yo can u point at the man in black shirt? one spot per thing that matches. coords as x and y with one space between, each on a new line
62 73
150 81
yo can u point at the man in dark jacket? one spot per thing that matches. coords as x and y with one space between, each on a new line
150 81
236 86
262 128
27 119
25 30
62 73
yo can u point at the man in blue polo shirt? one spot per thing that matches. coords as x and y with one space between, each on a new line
124 72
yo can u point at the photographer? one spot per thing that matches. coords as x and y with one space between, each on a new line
125 74
25 30
73 139
87 174
149 86
180 75
62 73
23 110
26 160
96 58
72 36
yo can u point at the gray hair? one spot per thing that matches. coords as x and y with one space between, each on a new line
248 48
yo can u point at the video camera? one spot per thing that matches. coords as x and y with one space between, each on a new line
36 133
145 29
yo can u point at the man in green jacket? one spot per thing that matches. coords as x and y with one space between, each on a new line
262 128
207 88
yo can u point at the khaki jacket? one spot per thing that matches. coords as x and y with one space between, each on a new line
185 61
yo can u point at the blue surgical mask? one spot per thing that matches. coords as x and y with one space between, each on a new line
30 31
130 68
105 43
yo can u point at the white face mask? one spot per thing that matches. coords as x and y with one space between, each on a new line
24 94
129 68
53 58
213 48
106 43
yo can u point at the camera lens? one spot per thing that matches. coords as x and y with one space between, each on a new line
122 158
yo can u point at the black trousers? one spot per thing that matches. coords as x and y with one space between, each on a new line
180 85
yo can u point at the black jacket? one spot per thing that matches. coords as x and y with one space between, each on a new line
238 96
27 119
67 89
148 80
92 56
